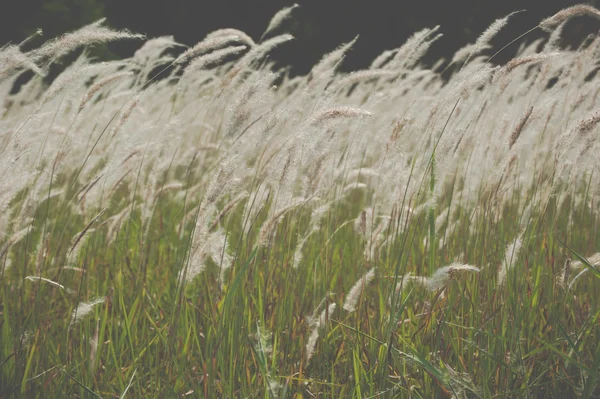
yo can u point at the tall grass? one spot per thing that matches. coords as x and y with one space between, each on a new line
200 224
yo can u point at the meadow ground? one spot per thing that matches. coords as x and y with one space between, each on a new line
193 223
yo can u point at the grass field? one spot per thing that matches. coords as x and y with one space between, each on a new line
193 223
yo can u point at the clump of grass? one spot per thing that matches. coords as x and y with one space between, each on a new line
211 207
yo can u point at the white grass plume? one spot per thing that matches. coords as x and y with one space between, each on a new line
593 260
337 113
361 77
356 291
383 59
13 60
212 58
412 49
242 36
220 183
68 77
405 279
279 18
268 228
125 114
153 48
317 325
324 70
298 256
483 41
228 207
79 240
96 87
90 34
565 14
525 60
84 309
576 278
354 186
510 258
256 54
242 110
313 320
443 275
219 254
209 44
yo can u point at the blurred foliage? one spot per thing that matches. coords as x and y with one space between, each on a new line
318 26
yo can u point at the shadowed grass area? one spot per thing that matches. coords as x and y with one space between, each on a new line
469 336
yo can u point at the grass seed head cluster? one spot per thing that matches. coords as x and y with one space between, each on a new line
170 221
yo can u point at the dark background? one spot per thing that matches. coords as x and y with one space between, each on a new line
318 25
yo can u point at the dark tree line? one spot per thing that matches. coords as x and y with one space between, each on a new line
318 25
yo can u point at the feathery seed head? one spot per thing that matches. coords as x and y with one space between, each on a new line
209 44
514 136
338 113
565 14
510 257
318 324
588 124
279 18
443 275
356 291
84 309
90 34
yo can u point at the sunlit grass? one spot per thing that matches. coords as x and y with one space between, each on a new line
245 234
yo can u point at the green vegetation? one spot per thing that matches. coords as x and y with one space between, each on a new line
200 226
